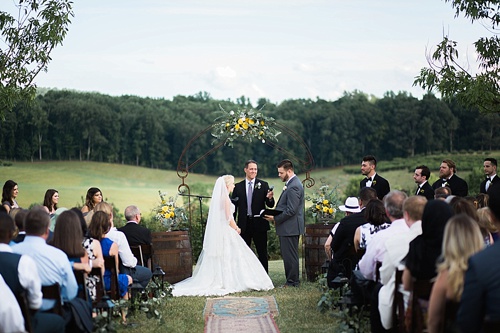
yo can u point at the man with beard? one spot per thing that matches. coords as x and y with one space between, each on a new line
447 173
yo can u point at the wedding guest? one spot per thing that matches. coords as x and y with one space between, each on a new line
94 253
93 197
68 238
485 221
9 195
98 228
20 273
377 220
128 264
462 238
481 200
481 291
448 177
426 248
372 179
19 218
463 206
50 200
53 264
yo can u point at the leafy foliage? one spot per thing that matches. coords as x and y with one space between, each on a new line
472 88
29 38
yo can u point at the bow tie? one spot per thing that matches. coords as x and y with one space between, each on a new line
488 179
445 180
368 179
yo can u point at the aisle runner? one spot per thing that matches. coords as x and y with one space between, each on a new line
241 314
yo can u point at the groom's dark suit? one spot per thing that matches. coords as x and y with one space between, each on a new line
289 227
380 184
253 227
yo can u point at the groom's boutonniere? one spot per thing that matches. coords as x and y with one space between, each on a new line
374 182
421 191
284 187
258 185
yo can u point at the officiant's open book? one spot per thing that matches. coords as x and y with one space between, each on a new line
268 211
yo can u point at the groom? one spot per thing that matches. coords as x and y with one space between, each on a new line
290 223
253 195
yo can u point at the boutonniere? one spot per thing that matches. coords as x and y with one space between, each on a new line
284 187
258 185
374 182
421 191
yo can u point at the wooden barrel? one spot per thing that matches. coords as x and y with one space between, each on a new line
315 238
172 251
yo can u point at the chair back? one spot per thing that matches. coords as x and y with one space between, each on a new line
110 264
22 300
421 293
81 278
54 292
144 254
100 291
398 305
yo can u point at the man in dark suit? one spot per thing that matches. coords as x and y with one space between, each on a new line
421 177
490 171
136 234
447 173
481 295
248 206
344 255
372 179
290 223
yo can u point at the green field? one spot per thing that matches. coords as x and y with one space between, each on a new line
124 185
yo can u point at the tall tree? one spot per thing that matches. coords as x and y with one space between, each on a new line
448 76
27 39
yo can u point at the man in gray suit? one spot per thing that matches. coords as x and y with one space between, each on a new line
290 223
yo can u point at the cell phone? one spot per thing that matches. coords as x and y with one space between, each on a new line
270 188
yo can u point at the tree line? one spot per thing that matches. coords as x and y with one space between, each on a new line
70 125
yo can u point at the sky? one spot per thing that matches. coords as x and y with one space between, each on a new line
273 49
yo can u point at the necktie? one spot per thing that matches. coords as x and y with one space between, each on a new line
249 199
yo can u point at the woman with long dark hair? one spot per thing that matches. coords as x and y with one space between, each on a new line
9 194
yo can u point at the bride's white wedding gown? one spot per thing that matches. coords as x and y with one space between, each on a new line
226 263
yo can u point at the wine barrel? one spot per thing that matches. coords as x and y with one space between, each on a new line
172 251
315 238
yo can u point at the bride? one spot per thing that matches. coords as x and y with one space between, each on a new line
226 263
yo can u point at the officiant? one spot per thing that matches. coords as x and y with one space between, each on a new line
250 196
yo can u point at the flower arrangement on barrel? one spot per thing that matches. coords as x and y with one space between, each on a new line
171 216
324 203
247 124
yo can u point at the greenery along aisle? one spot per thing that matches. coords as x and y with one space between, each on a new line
297 310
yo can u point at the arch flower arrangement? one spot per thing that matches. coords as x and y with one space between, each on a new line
247 124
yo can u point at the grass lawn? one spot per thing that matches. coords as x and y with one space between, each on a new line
297 309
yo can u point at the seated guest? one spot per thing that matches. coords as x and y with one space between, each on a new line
426 248
462 238
50 200
128 265
485 220
135 233
481 294
98 228
9 195
53 264
463 206
68 238
376 221
19 214
93 197
442 193
20 273
344 256
396 249
11 317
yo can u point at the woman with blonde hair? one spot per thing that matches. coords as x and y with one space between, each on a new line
462 238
